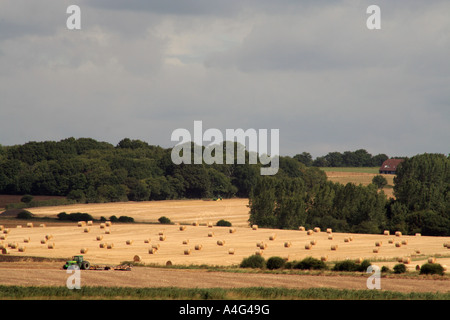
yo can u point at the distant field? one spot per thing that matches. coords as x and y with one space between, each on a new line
358 176
373 170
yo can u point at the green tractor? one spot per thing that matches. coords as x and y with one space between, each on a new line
79 261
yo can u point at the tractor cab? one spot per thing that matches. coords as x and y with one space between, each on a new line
79 261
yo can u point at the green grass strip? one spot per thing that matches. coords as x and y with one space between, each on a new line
173 293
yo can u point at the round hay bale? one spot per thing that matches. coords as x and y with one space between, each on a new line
309 232
391 241
444 266
301 228
129 242
220 242
42 225
198 247
6 230
376 250
263 245
43 241
102 225
404 242
13 245
99 238
316 229
162 238
160 233
330 237
90 223
137 258
3 237
187 251
186 241
386 232
358 260
147 240
254 227
156 246
351 238
406 260
259 252
210 234
108 223
22 249
49 236
446 245
287 244
431 260
51 245
378 243
109 245
107 231
398 244
417 251
346 239
210 224
152 250
182 228
329 230
81 223
324 258
313 242
84 250
168 263
2 227
87 230
272 237
19 226
30 225
232 230
418 235
334 247
5 251
308 246
102 245
195 224
398 234
231 251
26 240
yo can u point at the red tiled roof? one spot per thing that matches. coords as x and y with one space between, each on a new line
390 164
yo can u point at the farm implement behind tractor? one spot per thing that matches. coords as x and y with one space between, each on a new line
86 265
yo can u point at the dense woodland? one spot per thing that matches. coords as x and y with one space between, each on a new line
85 170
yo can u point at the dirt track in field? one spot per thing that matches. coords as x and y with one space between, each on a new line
49 274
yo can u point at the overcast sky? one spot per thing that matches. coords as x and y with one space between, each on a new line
312 69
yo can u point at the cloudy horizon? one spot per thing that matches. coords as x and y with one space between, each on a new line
141 69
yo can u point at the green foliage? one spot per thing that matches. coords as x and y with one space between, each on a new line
77 216
164 220
24 214
349 265
254 261
275 263
26 198
379 181
223 223
310 263
400 268
432 268
125 219
385 269
113 218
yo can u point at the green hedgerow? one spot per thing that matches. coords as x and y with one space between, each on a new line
432 268
275 263
253 261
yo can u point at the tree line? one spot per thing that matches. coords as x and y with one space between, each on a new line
86 170
357 158
421 204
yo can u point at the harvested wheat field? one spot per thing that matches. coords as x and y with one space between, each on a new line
363 178
181 211
206 243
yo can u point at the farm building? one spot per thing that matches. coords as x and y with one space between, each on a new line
390 166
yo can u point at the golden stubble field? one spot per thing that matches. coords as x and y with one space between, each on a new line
219 246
